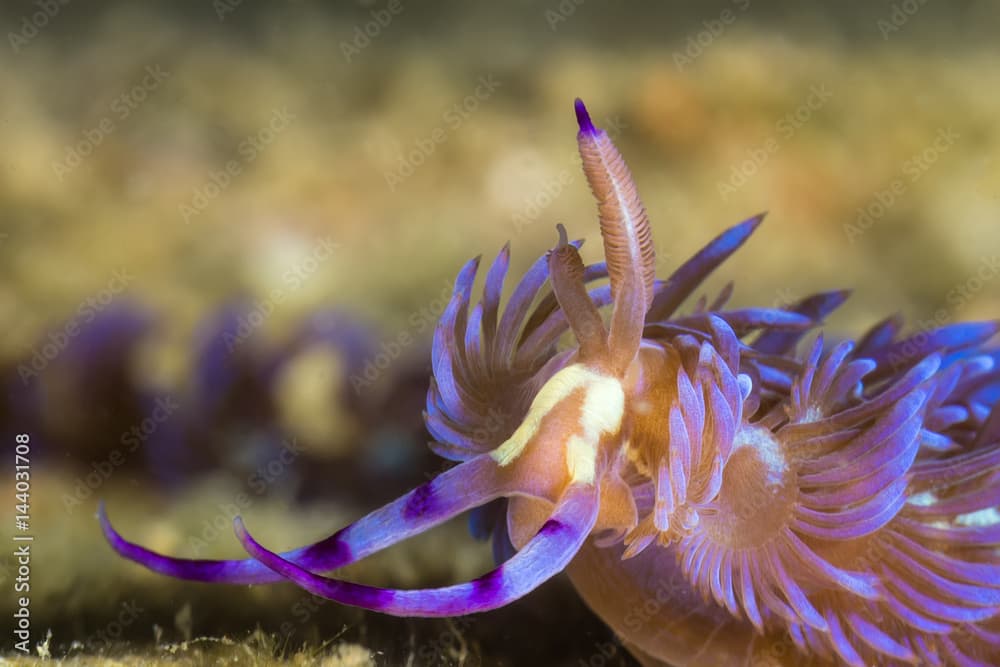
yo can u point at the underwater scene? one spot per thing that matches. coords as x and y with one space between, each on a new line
558 333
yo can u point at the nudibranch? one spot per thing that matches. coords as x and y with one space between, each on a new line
723 486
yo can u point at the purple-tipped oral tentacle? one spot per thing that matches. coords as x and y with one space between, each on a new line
464 487
545 555
244 571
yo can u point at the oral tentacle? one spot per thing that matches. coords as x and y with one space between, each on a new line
545 555
464 487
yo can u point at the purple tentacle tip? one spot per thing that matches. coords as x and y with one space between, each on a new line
583 118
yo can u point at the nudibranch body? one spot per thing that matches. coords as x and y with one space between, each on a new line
720 492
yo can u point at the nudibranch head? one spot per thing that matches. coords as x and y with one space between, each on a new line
718 495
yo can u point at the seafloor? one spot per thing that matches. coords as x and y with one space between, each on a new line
359 189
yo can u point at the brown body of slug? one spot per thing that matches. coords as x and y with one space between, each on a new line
656 613
651 606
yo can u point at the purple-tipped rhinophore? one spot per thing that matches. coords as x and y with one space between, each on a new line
583 118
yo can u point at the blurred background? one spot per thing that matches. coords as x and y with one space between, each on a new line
228 227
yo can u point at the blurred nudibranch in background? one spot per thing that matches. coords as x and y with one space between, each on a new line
781 495
239 408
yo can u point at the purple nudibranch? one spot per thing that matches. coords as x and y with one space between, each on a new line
769 498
